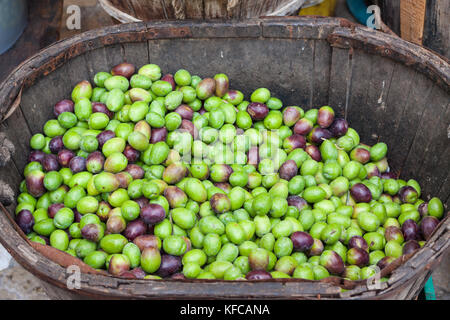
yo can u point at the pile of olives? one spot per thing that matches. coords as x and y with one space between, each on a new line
152 176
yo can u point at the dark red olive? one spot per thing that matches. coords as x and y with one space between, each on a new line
158 134
288 170
385 261
54 208
127 275
56 144
225 186
135 229
35 183
25 220
253 156
332 262
146 240
316 249
297 201
410 230
188 126
318 135
361 193
358 242
95 161
124 179
142 201
393 233
294 142
358 257
92 232
185 111
410 246
135 171
408 194
423 209
388 175
325 117
63 106
178 276
202 111
131 154
258 111
372 170
77 164
302 241
104 136
77 215
258 275
118 264
169 265
427 226
138 273
291 115
36 155
101 107
50 163
361 155
124 69
314 152
303 126
115 224
339 127
169 78
64 157
152 213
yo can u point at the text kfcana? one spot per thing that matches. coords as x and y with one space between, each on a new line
228 309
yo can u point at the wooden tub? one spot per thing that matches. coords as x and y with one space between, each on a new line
388 89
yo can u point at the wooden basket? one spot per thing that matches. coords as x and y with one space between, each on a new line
388 89
146 10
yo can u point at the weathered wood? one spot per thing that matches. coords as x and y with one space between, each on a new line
340 80
412 20
437 29
321 75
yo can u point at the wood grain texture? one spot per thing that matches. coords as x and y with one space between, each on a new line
412 20
437 27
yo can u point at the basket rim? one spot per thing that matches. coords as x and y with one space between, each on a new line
338 32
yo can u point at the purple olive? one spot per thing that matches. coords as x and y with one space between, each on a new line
410 230
372 170
220 203
77 215
135 229
104 136
294 142
314 152
361 193
388 175
77 164
178 276
50 163
206 88
169 265
222 84
297 202
258 111
64 157
175 196
427 226
169 78
302 241
408 194
147 240
124 179
423 209
410 246
54 208
316 249
95 162
135 171
131 154
118 264
152 213
25 221
36 155
202 111
253 156
288 170
360 154
35 183
138 273
142 201
339 127
92 232
325 117
358 242
115 224
185 111
393 233
174 172
358 257
63 106
124 69
127 275
188 126
291 115
101 107
258 275
385 261
56 144
318 135
158 134
303 126
332 262
225 186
